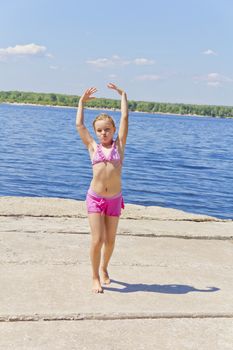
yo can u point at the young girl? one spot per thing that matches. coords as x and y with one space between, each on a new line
104 198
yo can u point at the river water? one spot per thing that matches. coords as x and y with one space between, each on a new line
182 162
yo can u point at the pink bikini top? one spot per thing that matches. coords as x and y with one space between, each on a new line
113 157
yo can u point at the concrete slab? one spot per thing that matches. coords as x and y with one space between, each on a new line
63 291
171 276
161 334
45 273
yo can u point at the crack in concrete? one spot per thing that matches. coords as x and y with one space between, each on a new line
123 218
41 263
111 316
47 232
192 220
127 233
155 235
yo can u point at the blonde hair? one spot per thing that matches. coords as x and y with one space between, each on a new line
104 116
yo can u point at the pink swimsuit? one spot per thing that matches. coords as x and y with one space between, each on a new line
110 206
113 157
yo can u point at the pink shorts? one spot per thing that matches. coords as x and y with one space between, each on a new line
110 206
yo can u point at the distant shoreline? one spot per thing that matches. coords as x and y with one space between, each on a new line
56 100
110 109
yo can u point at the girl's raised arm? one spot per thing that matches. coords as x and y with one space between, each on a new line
123 128
81 128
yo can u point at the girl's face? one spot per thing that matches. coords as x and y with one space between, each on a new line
104 131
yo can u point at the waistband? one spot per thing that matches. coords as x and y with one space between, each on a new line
93 193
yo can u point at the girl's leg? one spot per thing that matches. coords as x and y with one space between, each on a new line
111 223
97 225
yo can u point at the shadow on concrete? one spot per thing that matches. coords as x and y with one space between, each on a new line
157 288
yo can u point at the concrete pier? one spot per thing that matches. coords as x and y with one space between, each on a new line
171 279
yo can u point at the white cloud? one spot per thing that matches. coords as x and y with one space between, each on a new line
100 62
213 79
112 76
49 55
148 77
143 61
53 67
213 83
209 52
116 57
116 60
107 62
23 50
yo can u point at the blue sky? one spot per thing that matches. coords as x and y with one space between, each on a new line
157 50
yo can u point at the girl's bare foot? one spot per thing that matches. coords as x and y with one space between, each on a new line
105 276
96 286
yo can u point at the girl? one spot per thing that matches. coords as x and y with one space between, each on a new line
104 198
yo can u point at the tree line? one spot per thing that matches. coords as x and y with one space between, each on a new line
55 99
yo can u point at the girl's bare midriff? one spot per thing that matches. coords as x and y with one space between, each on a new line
106 179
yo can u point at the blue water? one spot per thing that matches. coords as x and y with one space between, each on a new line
170 161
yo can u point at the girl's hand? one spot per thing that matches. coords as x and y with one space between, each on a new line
114 87
87 95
